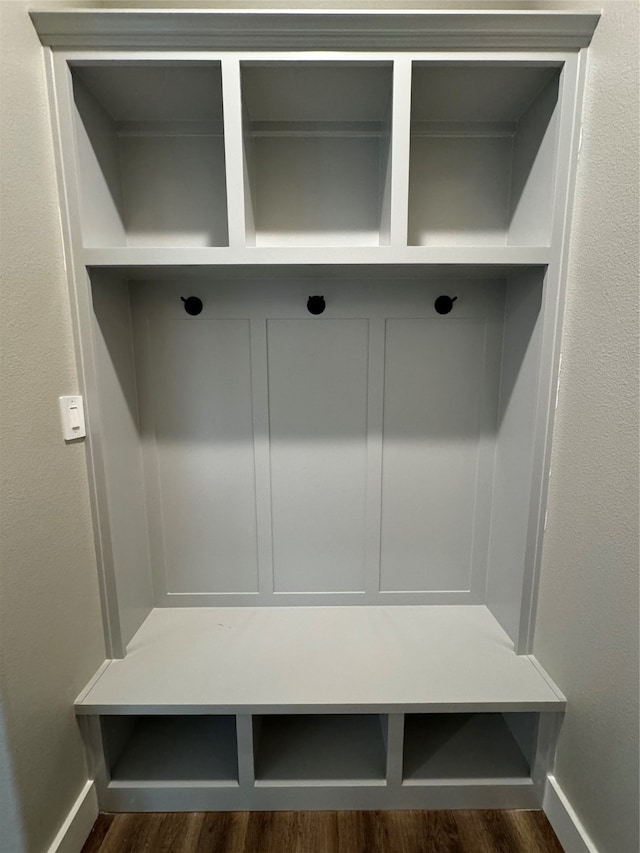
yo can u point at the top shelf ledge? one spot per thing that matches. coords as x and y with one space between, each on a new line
251 29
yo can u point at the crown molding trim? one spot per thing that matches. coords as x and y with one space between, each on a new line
199 29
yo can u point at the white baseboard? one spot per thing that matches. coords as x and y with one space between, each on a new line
565 822
560 814
77 825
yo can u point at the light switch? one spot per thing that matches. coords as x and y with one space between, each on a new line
72 411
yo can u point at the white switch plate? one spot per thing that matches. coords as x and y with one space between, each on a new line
72 412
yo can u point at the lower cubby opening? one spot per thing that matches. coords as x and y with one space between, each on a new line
334 749
170 749
462 747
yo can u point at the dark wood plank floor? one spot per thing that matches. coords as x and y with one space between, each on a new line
324 832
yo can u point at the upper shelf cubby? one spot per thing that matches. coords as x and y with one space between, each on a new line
483 151
317 152
150 153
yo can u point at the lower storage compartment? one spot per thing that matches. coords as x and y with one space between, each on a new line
270 761
334 749
224 709
320 708
170 749
465 747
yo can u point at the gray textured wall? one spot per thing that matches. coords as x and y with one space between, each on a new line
51 639
587 626
587 636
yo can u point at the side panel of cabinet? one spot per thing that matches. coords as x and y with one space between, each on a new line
119 430
513 468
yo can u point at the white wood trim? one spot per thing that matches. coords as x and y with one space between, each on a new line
78 823
548 730
395 749
244 736
572 90
60 95
447 256
262 456
91 731
400 143
96 56
547 678
234 148
96 677
464 795
375 420
564 820
313 29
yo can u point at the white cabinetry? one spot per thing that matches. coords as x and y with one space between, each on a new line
318 521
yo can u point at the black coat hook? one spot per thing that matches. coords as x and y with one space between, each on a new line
444 304
192 305
316 304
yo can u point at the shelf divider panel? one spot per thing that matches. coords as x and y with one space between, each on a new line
234 150
400 142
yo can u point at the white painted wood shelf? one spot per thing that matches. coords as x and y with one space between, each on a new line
320 659
139 260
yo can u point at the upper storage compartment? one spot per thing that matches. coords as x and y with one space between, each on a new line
317 152
483 150
150 154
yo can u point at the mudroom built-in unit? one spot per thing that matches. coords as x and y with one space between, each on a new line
316 264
